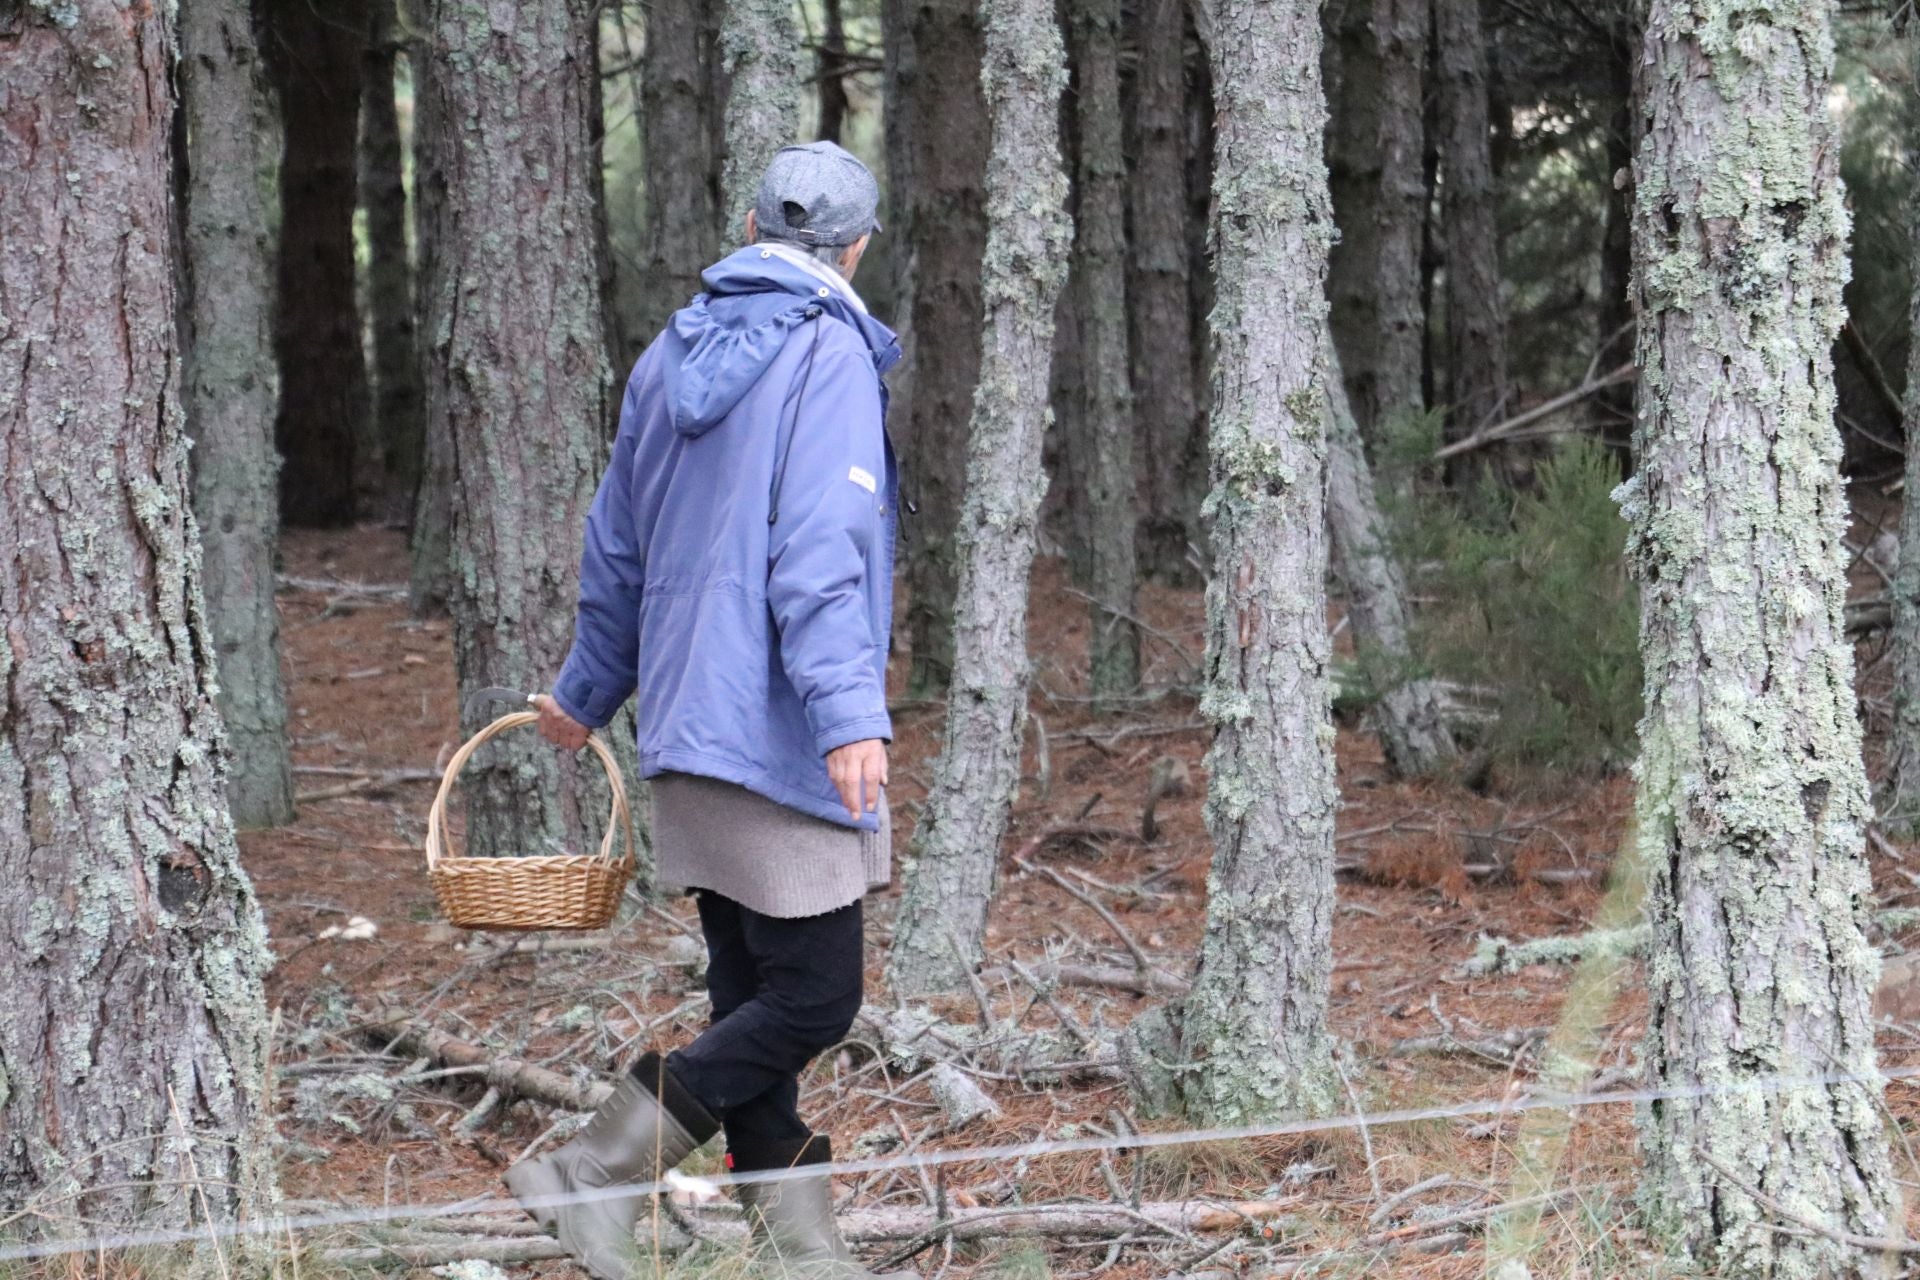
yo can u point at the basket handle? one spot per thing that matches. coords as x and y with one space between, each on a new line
619 818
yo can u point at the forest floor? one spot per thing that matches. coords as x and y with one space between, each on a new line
1426 872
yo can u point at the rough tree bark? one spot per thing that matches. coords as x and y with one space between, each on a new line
1476 314
1375 173
431 547
1413 730
900 72
945 235
518 380
1901 802
1169 441
315 54
830 66
956 846
1752 796
678 111
231 389
1254 1027
1103 417
760 51
133 1035
399 402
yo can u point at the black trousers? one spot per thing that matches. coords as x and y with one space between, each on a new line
782 991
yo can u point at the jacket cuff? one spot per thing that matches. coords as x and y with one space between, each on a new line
854 716
580 696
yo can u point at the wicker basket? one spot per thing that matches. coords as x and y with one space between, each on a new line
571 891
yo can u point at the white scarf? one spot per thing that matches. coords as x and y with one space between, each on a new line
817 269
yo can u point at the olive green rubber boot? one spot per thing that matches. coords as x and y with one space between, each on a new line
648 1126
791 1218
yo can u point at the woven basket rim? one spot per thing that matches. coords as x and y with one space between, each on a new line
511 865
619 816
530 892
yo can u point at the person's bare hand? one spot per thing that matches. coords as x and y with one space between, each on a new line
859 770
557 727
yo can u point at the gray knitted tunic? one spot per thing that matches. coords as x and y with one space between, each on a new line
715 835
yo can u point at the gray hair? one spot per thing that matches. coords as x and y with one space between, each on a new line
830 255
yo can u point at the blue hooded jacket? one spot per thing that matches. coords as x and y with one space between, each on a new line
739 555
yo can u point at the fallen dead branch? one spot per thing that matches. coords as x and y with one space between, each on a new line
909 1037
1467 1217
1058 1221
408 1038
1502 1047
1141 959
339 587
877 1225
1502 955
430 1253
378 775
1141 982
916 1037
353 788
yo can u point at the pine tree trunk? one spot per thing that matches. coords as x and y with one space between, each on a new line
1413 730
900 72
956 846
678 116
315 53
760 49
133 1037
1379 201
831 67
431 544
518 383
945 235
1254 1026
1900 806
231 389
399 404
1169 437
1103 420
1752 796
1476 315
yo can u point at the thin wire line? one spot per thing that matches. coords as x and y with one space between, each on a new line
930 1159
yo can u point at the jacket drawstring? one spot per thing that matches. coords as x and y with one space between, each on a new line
780 475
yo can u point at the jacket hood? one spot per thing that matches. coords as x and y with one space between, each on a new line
731 333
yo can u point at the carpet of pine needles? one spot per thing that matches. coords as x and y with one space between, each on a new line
1426 870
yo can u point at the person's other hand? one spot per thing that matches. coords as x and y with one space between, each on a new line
859 770
557 727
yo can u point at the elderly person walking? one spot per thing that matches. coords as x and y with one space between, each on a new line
738 573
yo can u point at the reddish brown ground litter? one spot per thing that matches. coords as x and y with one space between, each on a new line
1427 869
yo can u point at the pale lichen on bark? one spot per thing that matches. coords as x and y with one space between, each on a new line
956 845
129 905
232 387
1752 794
760 50
1253 1030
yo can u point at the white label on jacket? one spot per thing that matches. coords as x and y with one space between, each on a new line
864 478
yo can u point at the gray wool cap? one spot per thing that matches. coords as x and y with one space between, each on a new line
817 194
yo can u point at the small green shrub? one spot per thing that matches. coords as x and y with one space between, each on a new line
1529 609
